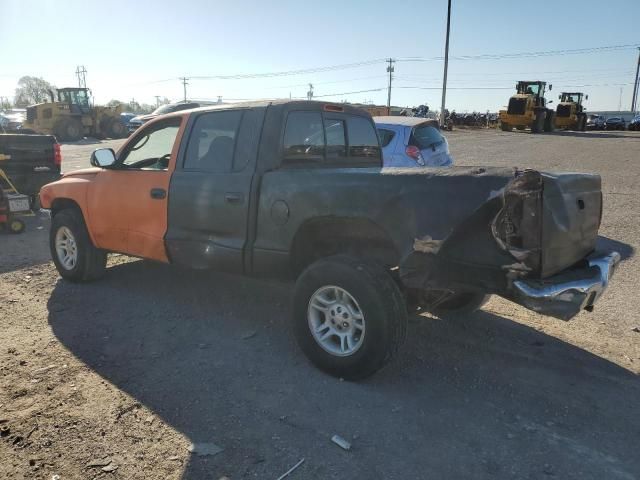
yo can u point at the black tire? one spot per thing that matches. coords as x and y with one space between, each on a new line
505 127
583 123
538 123
112 128
460 304
69 130
90 261
550 121
34 202
380 302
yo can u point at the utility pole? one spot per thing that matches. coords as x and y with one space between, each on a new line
620 100
81 73
634 98
390 70
310 92
446 66
184 86
157 100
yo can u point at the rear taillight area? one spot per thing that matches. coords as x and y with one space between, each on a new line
57 155
414 152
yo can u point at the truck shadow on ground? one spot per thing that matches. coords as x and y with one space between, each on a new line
475 397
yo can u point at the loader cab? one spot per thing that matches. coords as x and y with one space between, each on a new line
76 98
570 103
568 97
535 89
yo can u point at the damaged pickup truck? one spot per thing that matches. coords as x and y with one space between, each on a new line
296 189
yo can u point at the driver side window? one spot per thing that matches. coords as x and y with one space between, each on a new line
152 149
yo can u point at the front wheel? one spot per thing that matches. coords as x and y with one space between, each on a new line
73 253
349 316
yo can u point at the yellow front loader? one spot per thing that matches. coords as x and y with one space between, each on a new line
528 109
70 116
570 114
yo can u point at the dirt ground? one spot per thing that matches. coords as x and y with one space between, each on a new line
117 379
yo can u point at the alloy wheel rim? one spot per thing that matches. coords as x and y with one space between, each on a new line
66 248
336 321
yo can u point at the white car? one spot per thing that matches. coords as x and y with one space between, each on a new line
412 142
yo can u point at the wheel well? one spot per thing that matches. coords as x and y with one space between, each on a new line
360 237
60 204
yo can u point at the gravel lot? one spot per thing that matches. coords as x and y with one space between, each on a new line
115 379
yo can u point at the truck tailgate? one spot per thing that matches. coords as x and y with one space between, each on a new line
29 161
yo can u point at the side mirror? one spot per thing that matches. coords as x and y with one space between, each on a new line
587 97
103 157
550 87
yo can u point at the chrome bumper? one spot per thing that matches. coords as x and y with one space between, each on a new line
566 294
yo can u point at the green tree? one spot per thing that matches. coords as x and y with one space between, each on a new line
32 90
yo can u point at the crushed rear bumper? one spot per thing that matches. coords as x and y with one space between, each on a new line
566 294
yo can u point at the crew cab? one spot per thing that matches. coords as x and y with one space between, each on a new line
263 189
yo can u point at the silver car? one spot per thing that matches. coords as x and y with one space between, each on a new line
412 142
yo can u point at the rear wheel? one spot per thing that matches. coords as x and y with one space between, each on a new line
550 121
73 253
349 316
505 127
69 130
113 128
461 303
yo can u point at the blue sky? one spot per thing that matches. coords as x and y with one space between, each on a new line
138 49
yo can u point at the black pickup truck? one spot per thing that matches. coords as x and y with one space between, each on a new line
297 189
30 161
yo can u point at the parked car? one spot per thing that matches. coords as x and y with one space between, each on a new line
30 161
614 123
635 123
412 142
595 122
11 121
136 122
125 118
262 189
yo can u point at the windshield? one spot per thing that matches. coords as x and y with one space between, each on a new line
529 89
77 97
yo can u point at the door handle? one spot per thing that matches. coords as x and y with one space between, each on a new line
233 197
158 193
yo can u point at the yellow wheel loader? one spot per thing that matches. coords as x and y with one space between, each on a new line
70 116
570 114
528 109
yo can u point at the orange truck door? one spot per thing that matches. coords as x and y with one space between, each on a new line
128 202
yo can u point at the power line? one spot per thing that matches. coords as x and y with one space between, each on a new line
350 93
288 72
547 53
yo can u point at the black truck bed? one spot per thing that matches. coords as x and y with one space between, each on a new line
30 161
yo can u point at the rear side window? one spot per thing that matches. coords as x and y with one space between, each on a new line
425 136
363 141
336 138
304 136
212 141
385 136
